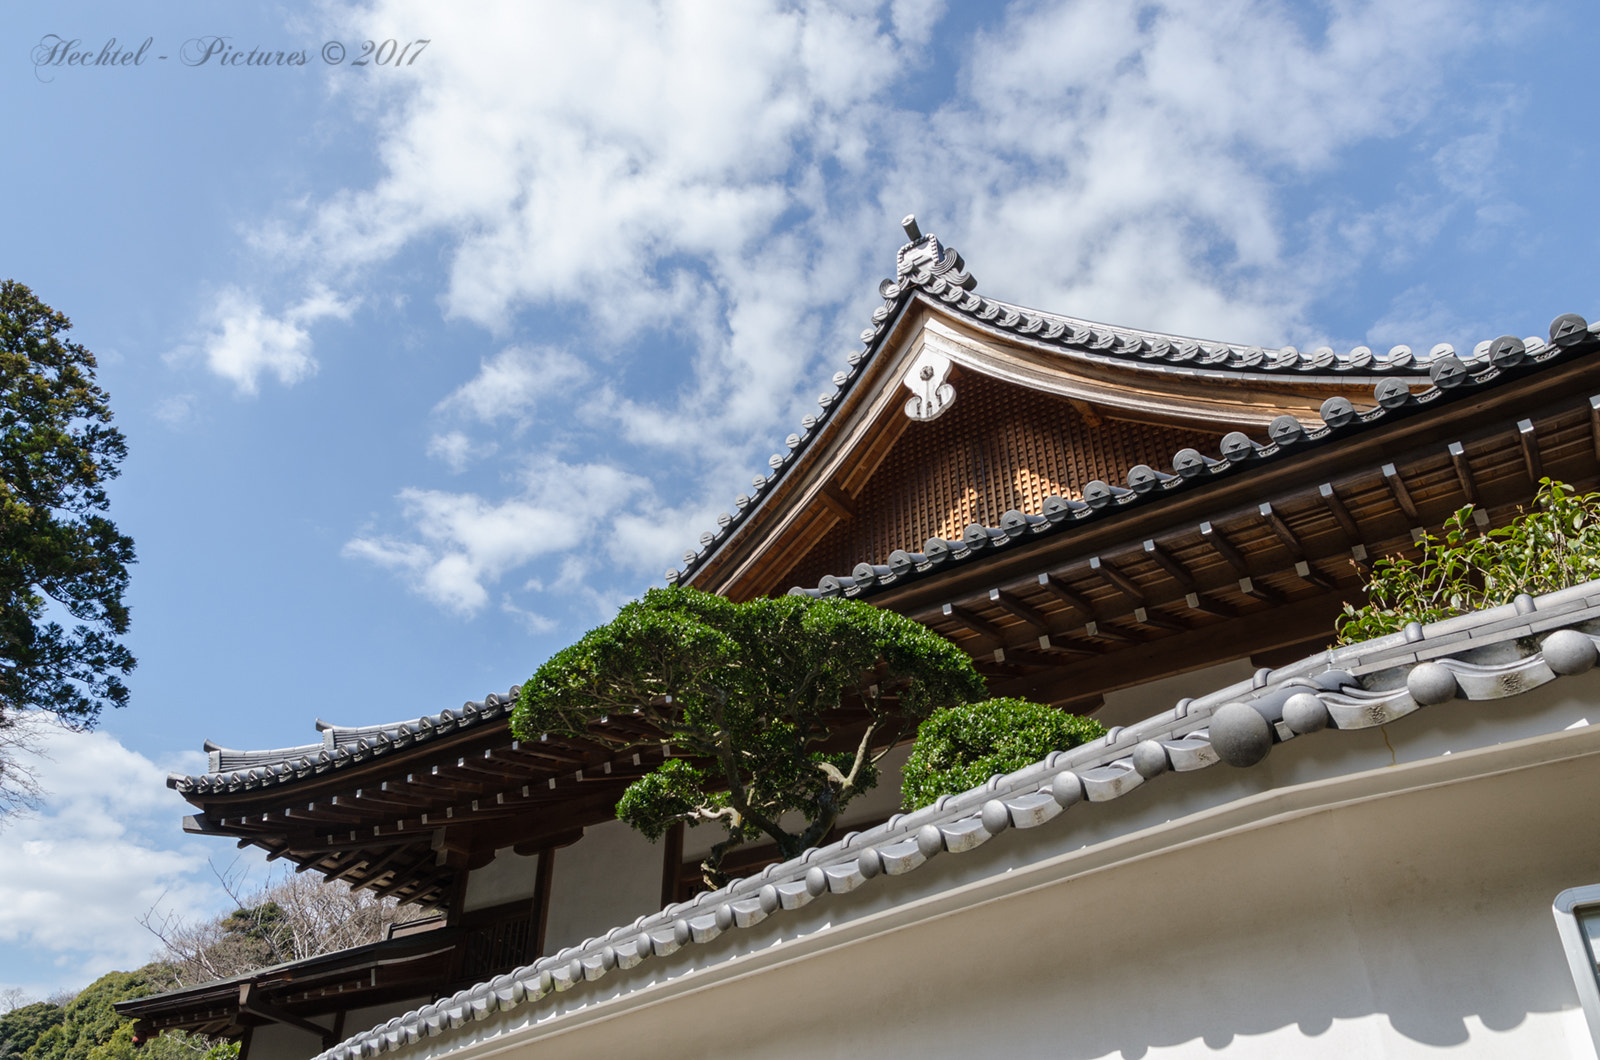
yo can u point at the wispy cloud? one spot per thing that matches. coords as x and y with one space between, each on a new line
245 342
467 543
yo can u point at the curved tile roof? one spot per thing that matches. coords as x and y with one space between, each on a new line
1450 378
341 746
927 268
1359 686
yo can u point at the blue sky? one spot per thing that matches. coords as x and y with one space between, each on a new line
424 370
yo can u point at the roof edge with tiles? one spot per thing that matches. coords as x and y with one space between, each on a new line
1359 686
341 746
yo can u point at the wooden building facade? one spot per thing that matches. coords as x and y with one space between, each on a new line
1086 510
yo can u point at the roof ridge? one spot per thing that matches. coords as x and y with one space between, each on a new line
937 271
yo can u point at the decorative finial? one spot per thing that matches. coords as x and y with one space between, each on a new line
909 223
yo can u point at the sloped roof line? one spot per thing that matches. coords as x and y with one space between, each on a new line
1449 380
928 268
1359 686
232 771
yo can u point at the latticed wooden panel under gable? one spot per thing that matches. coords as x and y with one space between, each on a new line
999 447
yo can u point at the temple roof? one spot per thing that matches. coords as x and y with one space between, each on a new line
933 275
1451 379
340 747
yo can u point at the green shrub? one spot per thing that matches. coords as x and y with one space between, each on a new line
1555 546
960 747
23 1026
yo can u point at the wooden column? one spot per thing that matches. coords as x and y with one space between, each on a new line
671 864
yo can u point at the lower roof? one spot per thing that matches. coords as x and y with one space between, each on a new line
1487 655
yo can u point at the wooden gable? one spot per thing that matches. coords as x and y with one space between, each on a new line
1000 447
1020 423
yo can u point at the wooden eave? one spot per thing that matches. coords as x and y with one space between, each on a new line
378 973
407 823
1257 562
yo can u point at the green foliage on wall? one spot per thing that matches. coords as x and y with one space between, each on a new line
1554 546
959 748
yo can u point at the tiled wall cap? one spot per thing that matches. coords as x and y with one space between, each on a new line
1305 712
1431 683
1240 735
1568 652
1150 759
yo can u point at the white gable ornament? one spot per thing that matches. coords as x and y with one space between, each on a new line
926 379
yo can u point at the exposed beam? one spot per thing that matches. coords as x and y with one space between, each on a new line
1397 486
1530 450
1090 414
386 864
1144 617
1341 514
355 862
1207 606
1118 580
837 501
1280 529
1017 609
1309 573
1203 646
1095 630
1250 587
1166 562
1458 457
1219 541
1051 584
1051 645
971 622
252 1001
1594 424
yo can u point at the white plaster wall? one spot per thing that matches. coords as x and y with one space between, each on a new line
1415 926
611 876
507 878
278 1041
1128 705
1373 893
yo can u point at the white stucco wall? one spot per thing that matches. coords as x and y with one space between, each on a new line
507 878
1128 705
1371 893
609 877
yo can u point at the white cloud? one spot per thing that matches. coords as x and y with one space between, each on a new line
246 342
457 450
715 179
510 384
1130 162
103 849
468 543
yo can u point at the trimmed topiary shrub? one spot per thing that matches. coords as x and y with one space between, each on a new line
959 748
